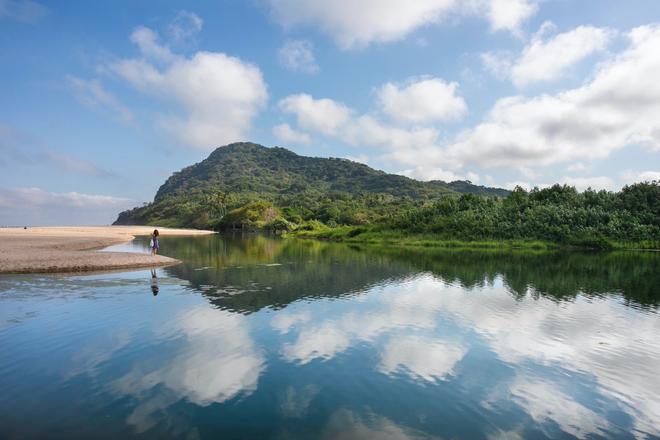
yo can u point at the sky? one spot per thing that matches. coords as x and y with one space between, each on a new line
101 101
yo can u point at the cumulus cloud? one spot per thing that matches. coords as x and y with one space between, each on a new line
92 94
358 24
422 100
409 146
214 96
298 56
334 119
544 60
322 115
508 14
620 106
285 133
548 60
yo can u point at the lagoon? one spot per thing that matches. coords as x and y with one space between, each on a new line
258 337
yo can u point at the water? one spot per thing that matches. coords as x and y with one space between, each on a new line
263 338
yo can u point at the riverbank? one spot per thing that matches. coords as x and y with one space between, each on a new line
367 236
76 248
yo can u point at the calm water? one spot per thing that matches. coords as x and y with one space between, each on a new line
261 338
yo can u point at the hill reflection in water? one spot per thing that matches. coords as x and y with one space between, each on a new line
245 274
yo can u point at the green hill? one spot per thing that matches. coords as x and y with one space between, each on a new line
252 168
299 189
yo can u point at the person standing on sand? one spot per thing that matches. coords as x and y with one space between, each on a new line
154 242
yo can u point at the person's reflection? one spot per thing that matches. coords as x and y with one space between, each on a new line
154 282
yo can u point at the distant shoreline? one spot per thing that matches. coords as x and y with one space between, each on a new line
61 249
367 236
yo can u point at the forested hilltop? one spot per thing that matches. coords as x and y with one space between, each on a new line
251 187
275 183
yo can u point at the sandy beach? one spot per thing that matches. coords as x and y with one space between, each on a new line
75 248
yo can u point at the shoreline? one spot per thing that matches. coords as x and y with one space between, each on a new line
393 238
71 249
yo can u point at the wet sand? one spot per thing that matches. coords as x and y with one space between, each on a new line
75 248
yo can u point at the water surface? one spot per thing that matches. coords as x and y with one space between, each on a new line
262 338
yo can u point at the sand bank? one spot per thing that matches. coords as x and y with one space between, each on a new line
74 248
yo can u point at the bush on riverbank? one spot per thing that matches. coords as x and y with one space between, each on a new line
557 215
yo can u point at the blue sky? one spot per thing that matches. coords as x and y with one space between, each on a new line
101 102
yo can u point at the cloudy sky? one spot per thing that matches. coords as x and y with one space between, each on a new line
101 102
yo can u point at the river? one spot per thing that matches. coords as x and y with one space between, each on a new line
256 337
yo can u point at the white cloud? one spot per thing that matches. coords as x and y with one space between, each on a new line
629 176
148 42
322 115
22 198
509 14
357 24
367 130
435 173
528 173
583 183
498 63
285 133
34 206
92 94
407 146
548 60
298 56
577 167
620 106
422 100
215 96
185 25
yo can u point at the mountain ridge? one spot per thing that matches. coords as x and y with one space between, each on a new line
359 170
245 172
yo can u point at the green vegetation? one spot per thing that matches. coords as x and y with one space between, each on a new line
275 272
539 219
301 189
250 187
